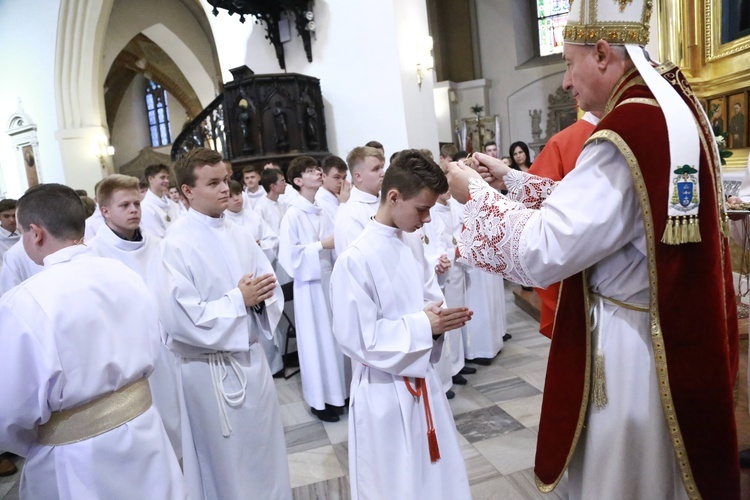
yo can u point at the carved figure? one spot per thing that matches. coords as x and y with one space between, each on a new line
536 120
280 127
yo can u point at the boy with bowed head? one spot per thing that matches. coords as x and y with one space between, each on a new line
389 320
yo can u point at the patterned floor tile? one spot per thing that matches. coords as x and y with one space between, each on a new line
314 466
507 389
305 436
511 452
479 425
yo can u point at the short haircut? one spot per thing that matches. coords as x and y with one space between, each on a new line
56 208
333 161
235 187
297 166
7 204
410 172
357 155
89 206
427 153
81 192
196 158
448 150
143 184
252 168
459 155
115 182
375 144
489 143
154 170
270 176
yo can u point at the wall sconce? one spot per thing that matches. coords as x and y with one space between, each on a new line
104 150
425 62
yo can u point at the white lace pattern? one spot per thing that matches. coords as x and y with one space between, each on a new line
492 238
528 189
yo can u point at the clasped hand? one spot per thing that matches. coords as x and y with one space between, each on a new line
256 290
444 320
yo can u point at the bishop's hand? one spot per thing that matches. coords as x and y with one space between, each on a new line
458 180
256 290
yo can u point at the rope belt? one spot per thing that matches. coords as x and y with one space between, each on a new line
96 417
599 391
217 362
421 390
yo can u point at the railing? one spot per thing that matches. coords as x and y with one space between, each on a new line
205 131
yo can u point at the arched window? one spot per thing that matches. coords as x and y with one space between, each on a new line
551 18
158 114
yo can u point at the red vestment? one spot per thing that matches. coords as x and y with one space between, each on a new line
554 162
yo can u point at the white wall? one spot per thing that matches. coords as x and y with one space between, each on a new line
514 90
27 64
364 56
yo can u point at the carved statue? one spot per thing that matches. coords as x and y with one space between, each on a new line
536 121
280 127
312 127
245 117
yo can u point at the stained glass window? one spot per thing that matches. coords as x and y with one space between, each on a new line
551 18
158 114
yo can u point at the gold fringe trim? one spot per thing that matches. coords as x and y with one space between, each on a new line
681 229
725 224
599 395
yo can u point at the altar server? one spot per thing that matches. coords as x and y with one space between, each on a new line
402 438
306 252
220 296
336 188
159 211
366 167
121 238
79 341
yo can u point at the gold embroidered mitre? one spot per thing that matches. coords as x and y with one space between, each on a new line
619 22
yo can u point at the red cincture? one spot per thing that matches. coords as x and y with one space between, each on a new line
421 390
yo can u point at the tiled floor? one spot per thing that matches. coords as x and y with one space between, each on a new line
497 415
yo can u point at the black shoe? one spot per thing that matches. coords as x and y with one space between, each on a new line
450 394
279 374
527 289
467 370
745 459
326 415
292 360
338 410
459 380
480 361
507 337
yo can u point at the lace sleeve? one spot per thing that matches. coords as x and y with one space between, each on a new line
492 238
528 189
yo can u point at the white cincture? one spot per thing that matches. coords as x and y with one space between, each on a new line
217 361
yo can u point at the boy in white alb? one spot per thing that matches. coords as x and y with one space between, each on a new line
9 235
79 342
305 251
251 180
121 238
366 167
268 241
403 441
220 295
158 211
272 210
336 188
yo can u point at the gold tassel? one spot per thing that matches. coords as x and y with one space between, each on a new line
695 236
600 382
725 225
668 236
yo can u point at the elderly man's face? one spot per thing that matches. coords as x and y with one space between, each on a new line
583 78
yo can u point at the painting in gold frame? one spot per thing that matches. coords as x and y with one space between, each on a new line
737 124
716 112
715 49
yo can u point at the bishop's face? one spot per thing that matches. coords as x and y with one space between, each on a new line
210 193
123 214
583 78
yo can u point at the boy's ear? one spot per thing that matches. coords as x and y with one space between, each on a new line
392 196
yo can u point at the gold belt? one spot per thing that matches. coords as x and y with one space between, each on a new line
96 417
